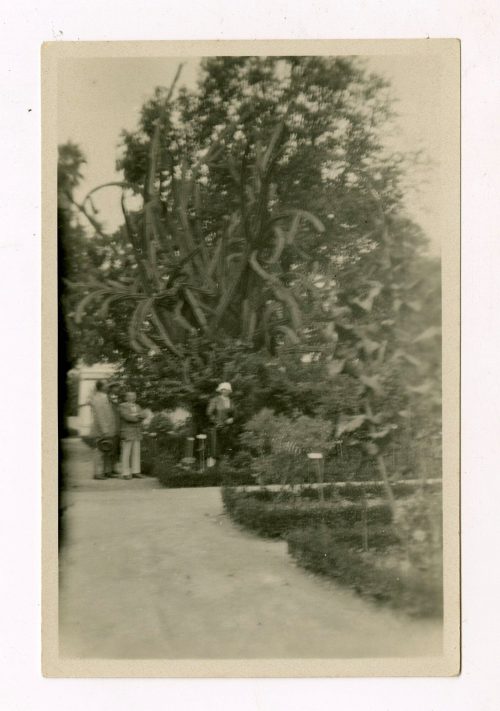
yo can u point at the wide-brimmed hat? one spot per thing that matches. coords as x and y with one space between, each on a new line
105 444
224 386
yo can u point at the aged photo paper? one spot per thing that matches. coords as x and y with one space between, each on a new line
251 333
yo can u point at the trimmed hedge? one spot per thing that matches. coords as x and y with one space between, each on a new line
173 476
329 537
354 492
419 592
265 513
177 478
342 490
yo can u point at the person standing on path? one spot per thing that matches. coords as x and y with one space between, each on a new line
221 415
114 397
131 417
103 431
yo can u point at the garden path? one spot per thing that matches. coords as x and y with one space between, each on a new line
148 572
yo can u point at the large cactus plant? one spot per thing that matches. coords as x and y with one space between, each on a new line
191 282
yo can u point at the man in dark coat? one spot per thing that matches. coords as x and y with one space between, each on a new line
114 398
103 431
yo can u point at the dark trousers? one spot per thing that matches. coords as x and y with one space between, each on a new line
117 449
220 441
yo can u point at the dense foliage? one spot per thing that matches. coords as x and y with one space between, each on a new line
271 249
265 242
383 576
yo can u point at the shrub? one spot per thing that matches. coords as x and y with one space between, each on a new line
173 474
346 491
352 540
235 471
386 578
355 491
279 444
169 430
274 514
177 478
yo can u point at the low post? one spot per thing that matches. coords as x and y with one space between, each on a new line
189 459
317 458
201 450
154 444
189 448
364 519
318 462
212 454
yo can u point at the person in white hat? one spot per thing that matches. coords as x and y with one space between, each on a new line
221 415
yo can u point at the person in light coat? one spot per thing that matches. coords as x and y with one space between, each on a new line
131 419
221 415
104 427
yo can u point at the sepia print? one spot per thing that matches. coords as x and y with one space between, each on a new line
251 439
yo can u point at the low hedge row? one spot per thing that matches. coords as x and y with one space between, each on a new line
179 479
349 540
341 490
274 518
355 492
419 592
173 476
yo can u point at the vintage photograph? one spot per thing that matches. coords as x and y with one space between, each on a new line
255 353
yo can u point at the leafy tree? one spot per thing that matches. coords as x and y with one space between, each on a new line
84 257
272 230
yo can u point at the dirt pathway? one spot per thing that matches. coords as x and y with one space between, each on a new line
148 572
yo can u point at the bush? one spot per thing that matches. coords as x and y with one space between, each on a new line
354 541
235 471
274 514
168 431
356 491
386 578
174 475
164 442
279 444
177 478
345 491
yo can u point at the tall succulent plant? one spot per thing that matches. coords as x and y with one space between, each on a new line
189 282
